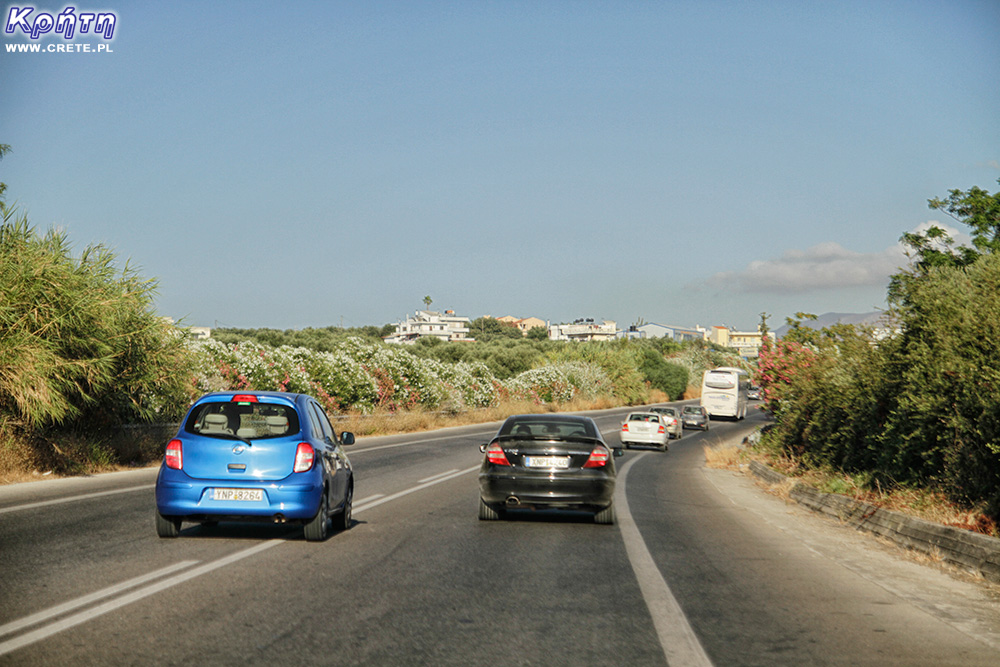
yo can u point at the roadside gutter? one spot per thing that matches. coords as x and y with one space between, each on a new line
975 552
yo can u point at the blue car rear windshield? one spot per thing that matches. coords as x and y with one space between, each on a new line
253 421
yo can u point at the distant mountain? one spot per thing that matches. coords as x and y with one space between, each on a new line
873 319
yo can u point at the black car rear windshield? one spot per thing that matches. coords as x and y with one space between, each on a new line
253 421
540 427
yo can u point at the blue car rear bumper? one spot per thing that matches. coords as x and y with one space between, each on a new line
296 497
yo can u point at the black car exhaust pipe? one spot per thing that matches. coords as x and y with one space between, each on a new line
513 500
279 518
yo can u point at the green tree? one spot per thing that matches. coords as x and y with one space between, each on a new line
485 329
538 333
800 333
669 378
428 301
976 208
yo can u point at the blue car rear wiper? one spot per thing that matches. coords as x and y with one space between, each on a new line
230 436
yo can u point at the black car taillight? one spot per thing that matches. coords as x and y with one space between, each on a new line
598 458
495 455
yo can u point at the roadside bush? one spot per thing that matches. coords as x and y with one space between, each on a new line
920 408
560 382
324 339
945 423
80 345
669 378
619 360
363 376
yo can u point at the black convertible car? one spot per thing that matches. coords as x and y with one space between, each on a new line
548 462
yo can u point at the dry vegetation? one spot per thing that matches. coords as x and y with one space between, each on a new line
923 504
387 423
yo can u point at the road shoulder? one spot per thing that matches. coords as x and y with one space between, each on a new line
969 604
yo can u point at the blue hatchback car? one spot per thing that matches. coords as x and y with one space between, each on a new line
256 456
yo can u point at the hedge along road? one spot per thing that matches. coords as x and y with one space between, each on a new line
419 579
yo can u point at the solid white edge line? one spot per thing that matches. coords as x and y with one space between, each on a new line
679 642
84 616
58 501
51 612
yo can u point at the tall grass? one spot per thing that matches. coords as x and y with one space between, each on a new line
79 341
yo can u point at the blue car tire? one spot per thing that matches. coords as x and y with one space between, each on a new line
316 530
167 526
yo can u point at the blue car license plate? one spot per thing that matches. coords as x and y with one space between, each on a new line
238 495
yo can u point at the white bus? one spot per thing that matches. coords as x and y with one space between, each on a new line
724 392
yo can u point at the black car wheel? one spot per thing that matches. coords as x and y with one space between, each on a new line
315 530
487 513
606 516
342 520
167 526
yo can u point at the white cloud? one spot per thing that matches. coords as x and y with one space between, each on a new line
825 266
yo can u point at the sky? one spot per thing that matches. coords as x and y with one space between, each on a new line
690 163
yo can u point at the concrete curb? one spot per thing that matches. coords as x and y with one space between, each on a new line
973 551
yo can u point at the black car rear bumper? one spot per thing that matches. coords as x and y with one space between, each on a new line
587 490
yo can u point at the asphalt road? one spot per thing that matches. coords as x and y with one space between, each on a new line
702 568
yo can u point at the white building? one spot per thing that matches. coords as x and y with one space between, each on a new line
746 343
584 330
445 326
653 330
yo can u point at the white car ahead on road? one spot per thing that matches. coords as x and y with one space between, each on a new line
671 418
644 428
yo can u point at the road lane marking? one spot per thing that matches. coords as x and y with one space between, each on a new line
71 499
84 616
419 487
433 477
369 499
58 610
680 645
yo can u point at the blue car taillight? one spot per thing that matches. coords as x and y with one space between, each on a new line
175 455
304 457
